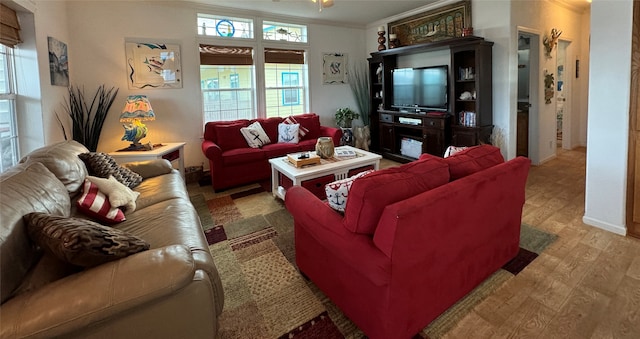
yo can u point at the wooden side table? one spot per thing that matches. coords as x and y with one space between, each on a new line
172 151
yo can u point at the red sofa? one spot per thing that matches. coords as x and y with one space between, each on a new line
232 162
414 239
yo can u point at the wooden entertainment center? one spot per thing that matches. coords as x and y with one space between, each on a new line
469 94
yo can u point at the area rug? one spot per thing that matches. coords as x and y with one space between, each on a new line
251 239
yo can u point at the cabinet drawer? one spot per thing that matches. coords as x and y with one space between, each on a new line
316 186
386 117
433 122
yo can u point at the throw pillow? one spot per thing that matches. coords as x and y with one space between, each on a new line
302 131
103 165
255 136
95 204
81 242
118 194
288 133
338 191
451 150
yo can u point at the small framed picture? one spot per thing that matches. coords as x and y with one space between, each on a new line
334 68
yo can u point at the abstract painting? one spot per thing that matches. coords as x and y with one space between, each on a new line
334 68
153 65
58 62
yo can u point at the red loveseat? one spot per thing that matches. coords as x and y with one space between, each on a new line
232 162
412 242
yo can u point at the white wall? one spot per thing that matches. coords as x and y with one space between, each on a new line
95 33
542 16
608 129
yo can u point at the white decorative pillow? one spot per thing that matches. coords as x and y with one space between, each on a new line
255 135
338 191
118 194
288 133
451 150
302 131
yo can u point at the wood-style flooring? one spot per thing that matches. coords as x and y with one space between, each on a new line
584 285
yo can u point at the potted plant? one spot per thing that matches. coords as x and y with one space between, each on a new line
344 117
87 117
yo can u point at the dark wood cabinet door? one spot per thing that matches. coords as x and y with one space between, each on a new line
387 138
433 141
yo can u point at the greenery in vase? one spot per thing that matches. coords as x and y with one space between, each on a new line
359 83
344 116
87 118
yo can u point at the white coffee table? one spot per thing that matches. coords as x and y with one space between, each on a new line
337 168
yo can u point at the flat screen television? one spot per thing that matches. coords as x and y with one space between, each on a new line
426 87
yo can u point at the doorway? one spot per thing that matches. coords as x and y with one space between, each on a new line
563 100
527 110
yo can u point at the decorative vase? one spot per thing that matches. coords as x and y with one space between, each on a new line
324 147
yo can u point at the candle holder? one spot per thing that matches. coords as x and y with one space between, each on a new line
393 41
381 41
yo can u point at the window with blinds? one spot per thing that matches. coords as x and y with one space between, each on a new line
226 80
285 73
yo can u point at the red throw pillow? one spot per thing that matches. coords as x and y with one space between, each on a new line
473 159
229 136
95 204
370 194
302 131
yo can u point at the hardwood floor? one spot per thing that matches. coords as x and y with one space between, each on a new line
585 285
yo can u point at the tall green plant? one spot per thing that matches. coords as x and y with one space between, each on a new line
87 119
359 83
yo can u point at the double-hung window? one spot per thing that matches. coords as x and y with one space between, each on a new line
8 127
245 75
227 83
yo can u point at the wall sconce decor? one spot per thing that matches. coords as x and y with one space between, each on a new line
550 41
136 110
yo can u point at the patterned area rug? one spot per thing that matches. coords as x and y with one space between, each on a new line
251 240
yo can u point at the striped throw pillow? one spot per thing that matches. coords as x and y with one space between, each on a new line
95 204
302 131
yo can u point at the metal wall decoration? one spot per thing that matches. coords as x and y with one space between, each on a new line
153 65
439 24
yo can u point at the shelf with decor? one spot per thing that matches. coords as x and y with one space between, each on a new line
469 72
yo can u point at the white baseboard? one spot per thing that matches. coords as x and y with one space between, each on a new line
617 229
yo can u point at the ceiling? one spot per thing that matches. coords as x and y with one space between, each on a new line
347 12
359 13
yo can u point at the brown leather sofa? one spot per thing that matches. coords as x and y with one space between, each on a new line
172 290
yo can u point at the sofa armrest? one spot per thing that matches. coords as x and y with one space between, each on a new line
150 168
98 293
334 132
326 226
211 150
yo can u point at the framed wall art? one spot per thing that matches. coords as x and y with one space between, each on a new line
58 62
334 68
153 65
438 24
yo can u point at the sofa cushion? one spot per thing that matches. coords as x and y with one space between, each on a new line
103 165
311 122
472 160
279 150
81 242
453 150
370 194
288 133
229 137
270 126
243 155
95 204
62 160
25 188
254 135
337 192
